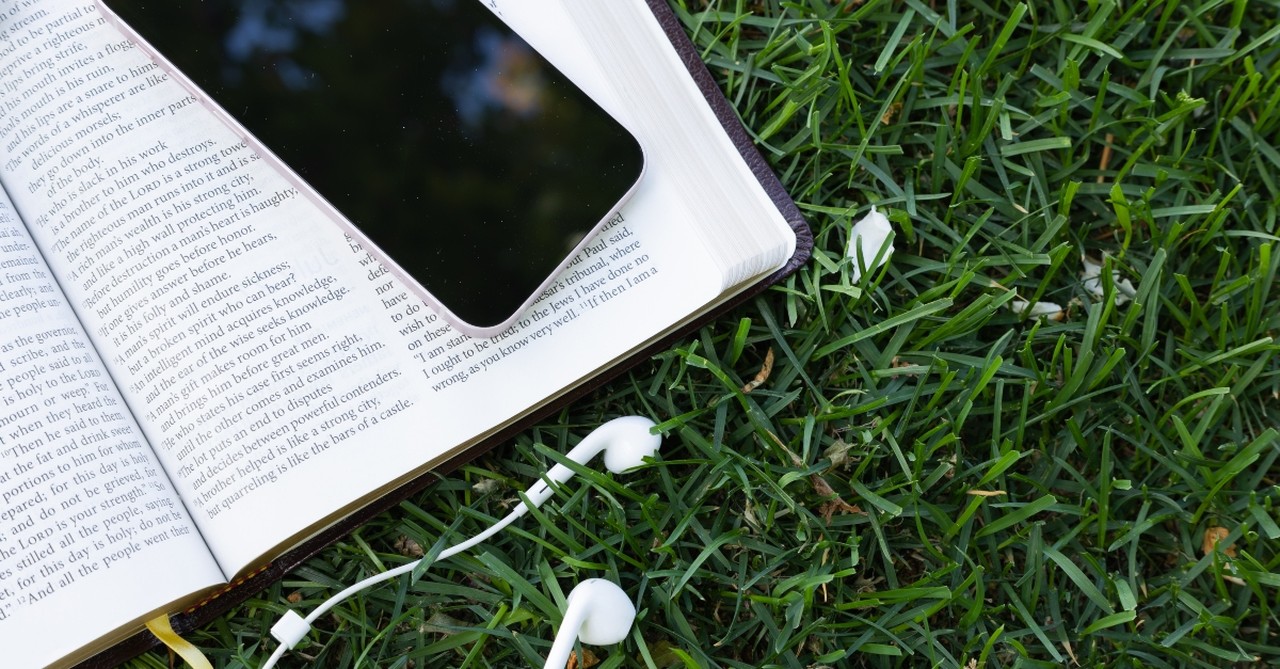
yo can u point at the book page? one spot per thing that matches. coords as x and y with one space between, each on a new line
92 535
279 373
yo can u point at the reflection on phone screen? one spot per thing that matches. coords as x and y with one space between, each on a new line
470 161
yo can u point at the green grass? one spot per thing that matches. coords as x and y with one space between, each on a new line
1005 140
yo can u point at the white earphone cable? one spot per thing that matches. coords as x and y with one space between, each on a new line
290 629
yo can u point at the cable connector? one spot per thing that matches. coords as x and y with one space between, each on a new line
290 629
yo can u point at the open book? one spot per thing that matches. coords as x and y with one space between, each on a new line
190 348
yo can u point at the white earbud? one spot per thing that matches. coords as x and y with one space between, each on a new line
625 441
599 613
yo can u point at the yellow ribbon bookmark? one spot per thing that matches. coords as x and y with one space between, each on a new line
160 627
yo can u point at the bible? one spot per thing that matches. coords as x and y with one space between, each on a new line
190 346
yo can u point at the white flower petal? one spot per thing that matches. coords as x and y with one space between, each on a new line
1050 310
871 233
1092 276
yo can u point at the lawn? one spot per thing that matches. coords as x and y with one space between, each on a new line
928 473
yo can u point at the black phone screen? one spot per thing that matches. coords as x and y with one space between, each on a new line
470 161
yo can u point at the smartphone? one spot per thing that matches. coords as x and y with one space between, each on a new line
468 164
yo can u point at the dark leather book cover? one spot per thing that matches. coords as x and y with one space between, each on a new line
233 595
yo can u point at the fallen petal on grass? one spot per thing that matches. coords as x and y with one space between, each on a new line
1092 276
866 239
1051 310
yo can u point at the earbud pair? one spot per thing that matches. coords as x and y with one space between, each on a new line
600 613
